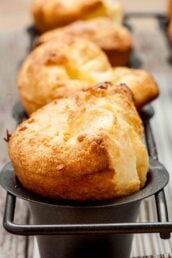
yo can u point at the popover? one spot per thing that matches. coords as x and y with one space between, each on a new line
58 68
62 66
85 147
114 39
56 13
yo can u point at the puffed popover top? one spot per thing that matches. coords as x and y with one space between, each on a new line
85 147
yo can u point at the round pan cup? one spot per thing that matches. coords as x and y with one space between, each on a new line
89 241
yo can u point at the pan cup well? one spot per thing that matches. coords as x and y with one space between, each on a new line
72 229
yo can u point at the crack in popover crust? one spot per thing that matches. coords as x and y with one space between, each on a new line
62 66
86 147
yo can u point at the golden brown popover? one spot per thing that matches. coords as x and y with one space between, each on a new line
50 14
60 67
114 39
85 147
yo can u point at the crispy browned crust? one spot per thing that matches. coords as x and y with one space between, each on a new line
114 39
140 82
56 13
86 147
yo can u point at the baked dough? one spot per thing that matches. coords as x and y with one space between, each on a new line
86 147
60 67
55 13
140 82
114 39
